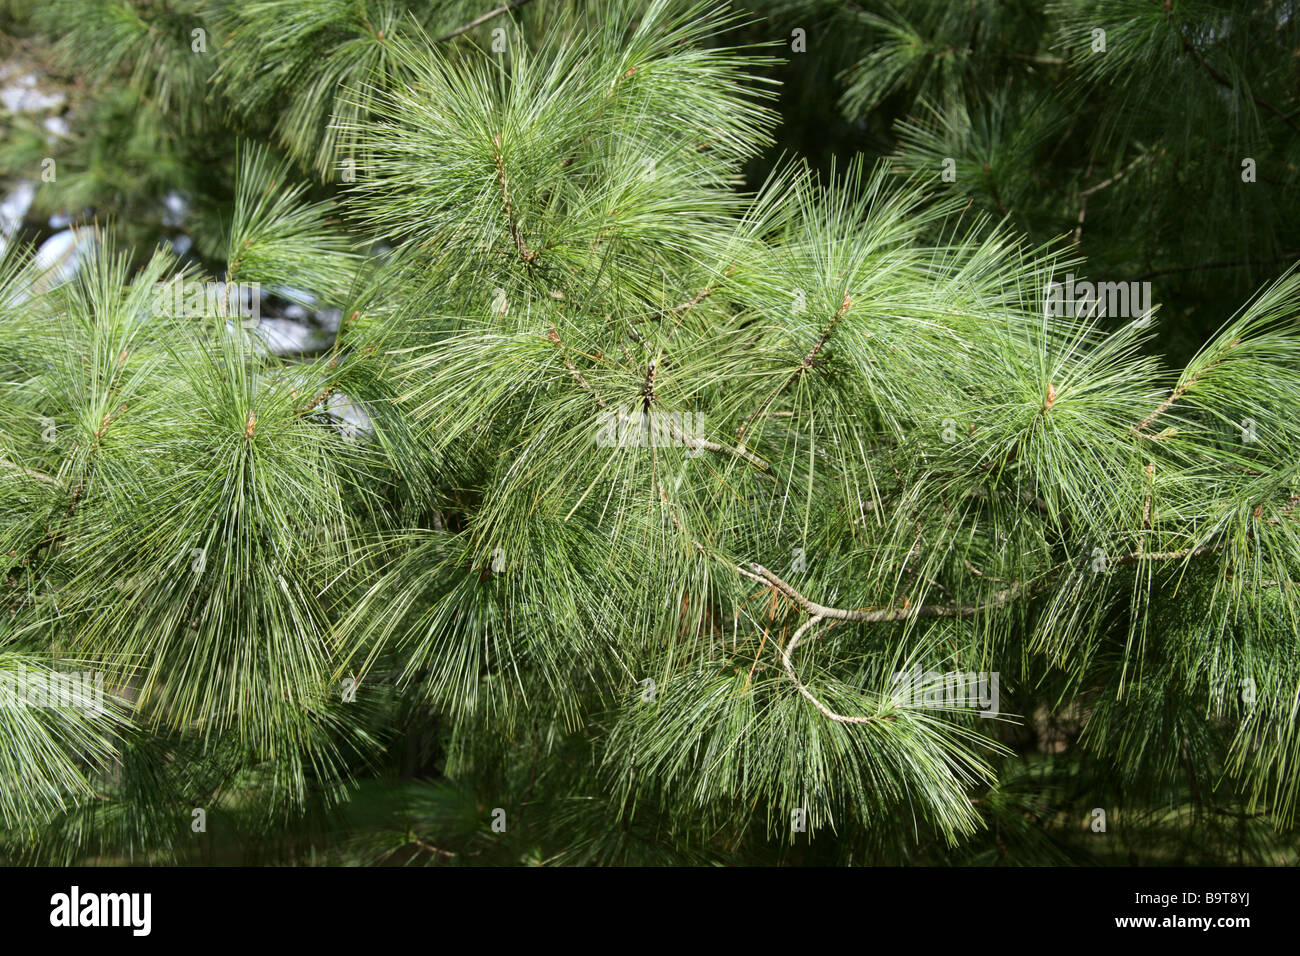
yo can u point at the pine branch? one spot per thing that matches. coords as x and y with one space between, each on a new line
477 21
1181 390
1110 181
429 847
808 362
525 253
30 472
707 445
996 601
648 391
789 669
554 336
1084 194
890 614
1190 49
681 310
321 396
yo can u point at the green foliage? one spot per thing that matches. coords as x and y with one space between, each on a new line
488 628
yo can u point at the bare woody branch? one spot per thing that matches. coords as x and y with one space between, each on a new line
789 669
30 472
479 21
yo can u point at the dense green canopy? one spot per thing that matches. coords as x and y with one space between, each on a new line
683 454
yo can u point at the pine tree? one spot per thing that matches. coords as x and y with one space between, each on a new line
667 487
1161 138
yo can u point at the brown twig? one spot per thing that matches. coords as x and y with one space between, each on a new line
1179 391
429 847
887 614
320 397
525 253
681 310
29 472
826 711
554 336
1084 194
997 600
477 21
648 388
